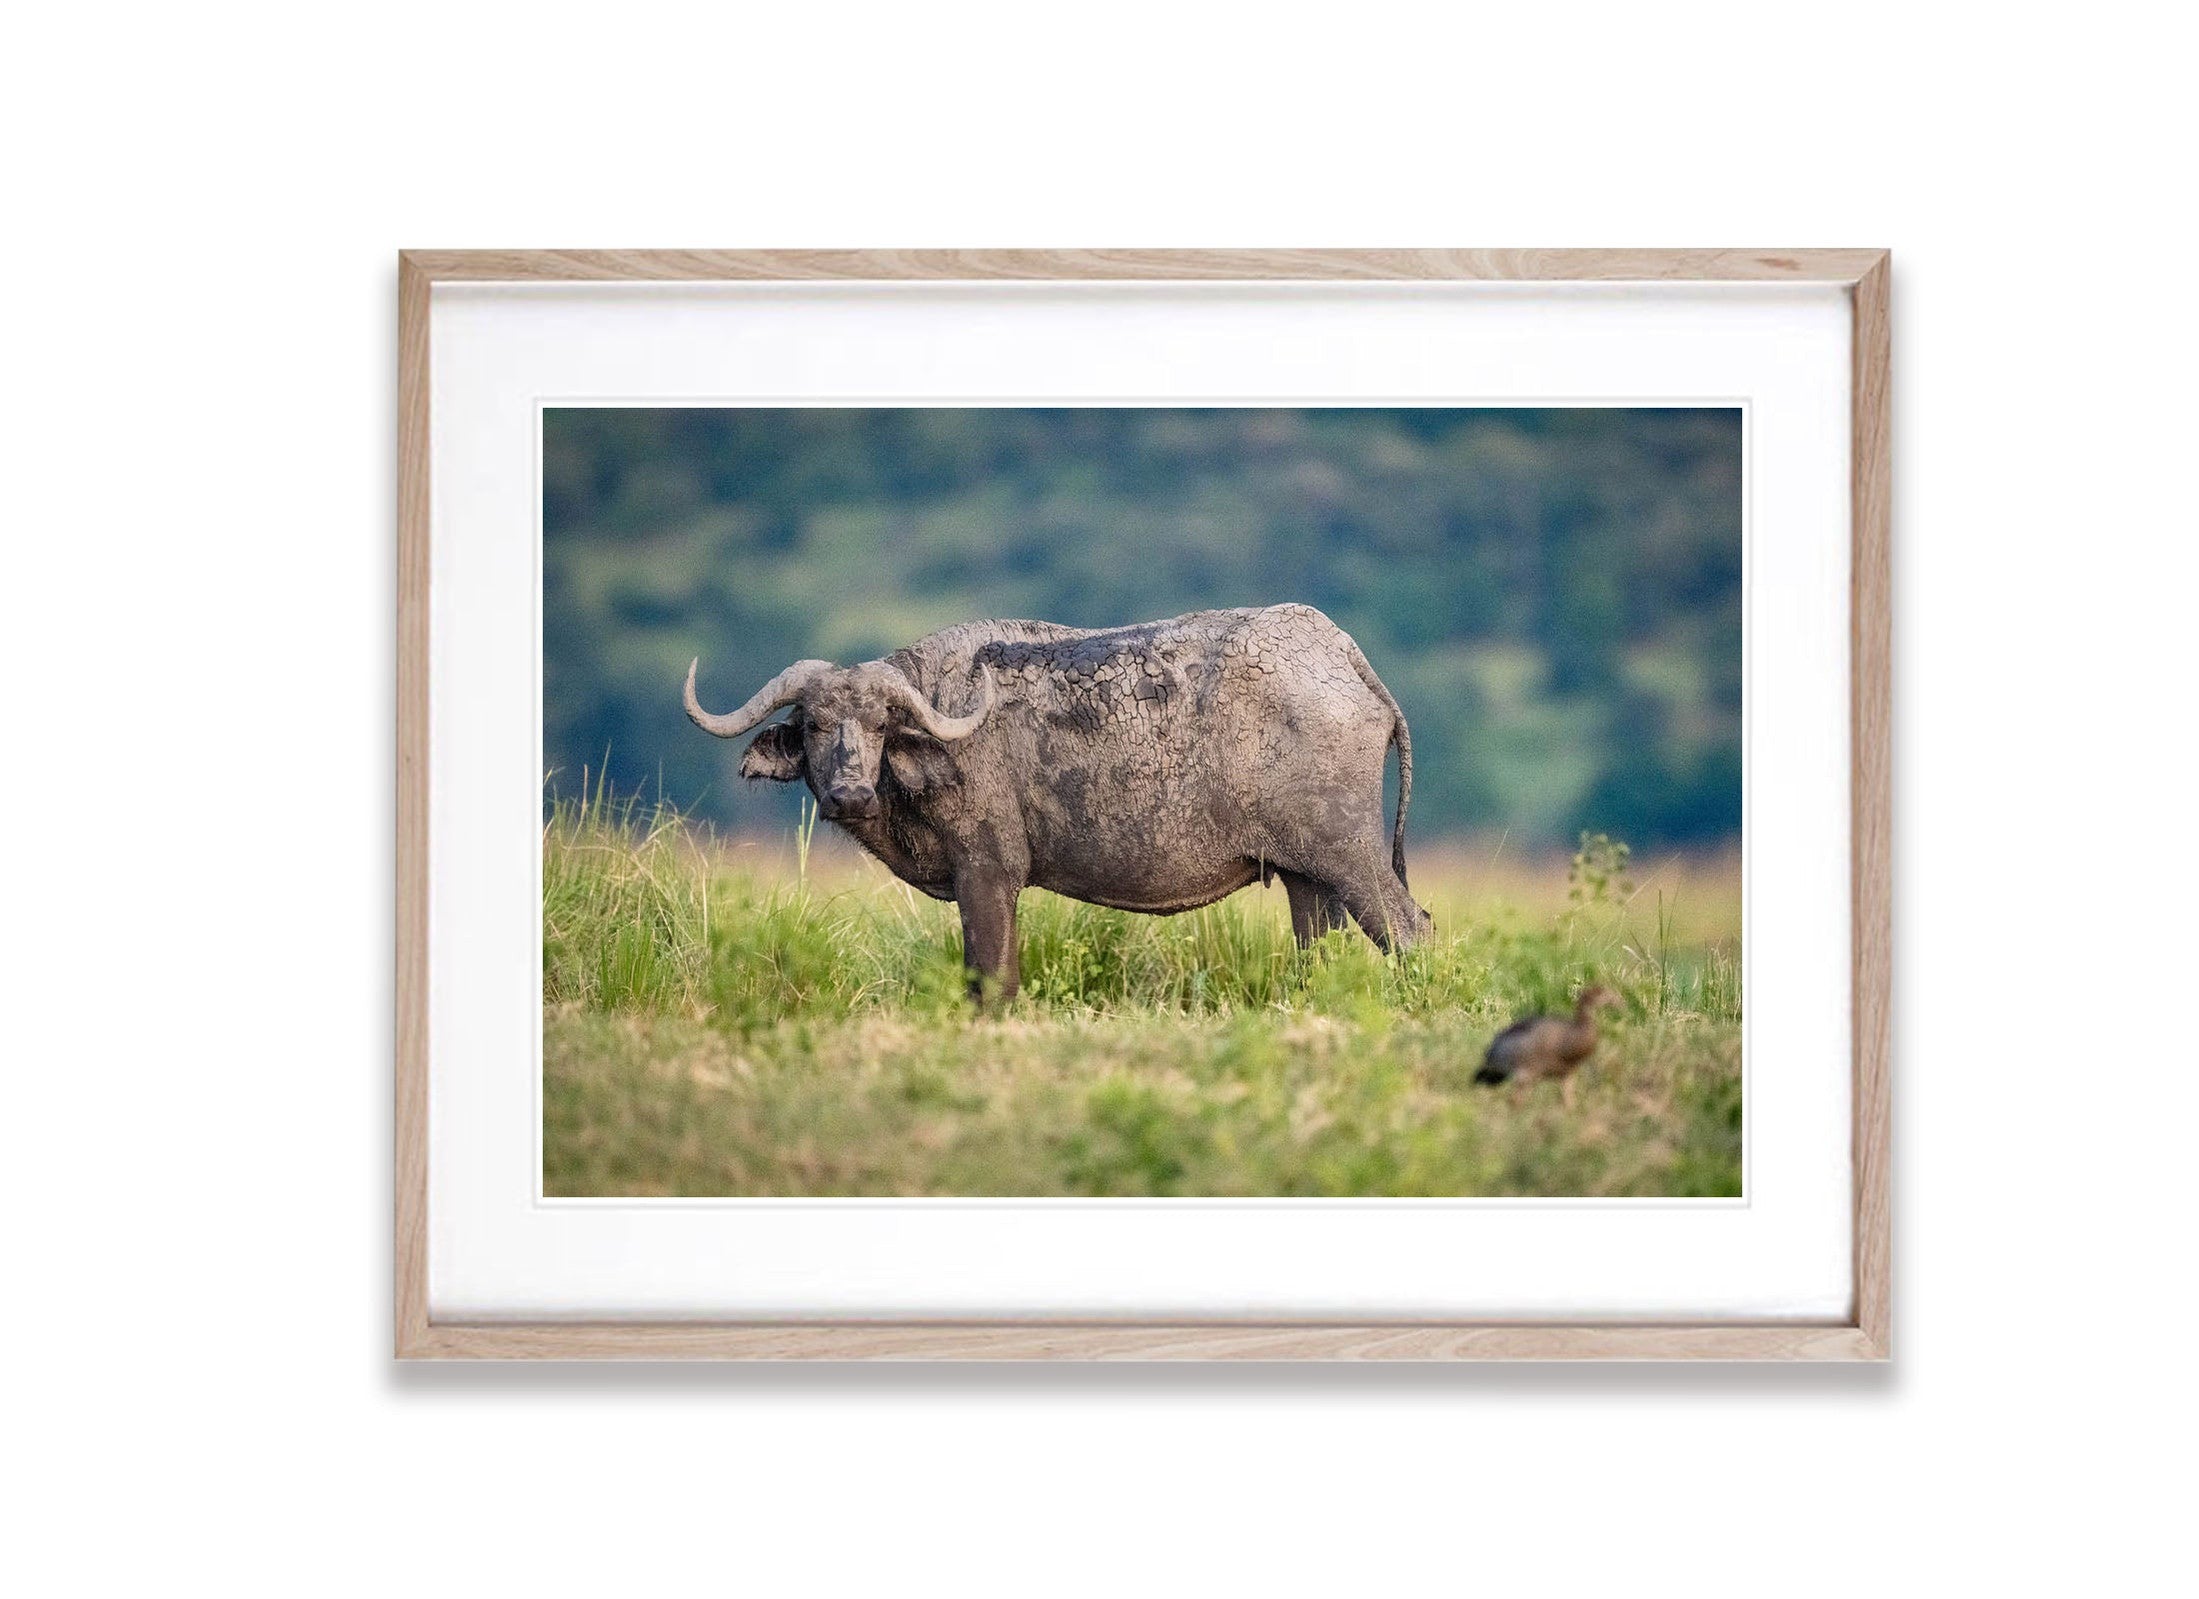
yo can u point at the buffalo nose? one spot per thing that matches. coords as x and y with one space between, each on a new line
857 800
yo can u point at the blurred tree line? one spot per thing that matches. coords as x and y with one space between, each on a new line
1553 595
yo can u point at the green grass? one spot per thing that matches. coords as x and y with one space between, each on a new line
720 1020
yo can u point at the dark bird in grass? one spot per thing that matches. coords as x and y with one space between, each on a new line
1544 1047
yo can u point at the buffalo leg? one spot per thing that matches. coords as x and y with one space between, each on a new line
1379 903
1314 910
1413 923
988 906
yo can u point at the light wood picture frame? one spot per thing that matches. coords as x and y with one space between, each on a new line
1863 1335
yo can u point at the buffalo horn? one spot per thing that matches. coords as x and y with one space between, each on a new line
784 689
946 728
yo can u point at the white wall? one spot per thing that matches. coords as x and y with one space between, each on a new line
197 627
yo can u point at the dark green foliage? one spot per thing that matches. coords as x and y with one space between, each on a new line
1553 595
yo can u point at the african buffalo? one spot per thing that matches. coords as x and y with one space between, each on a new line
1150 768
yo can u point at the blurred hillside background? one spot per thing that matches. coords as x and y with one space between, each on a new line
1554 596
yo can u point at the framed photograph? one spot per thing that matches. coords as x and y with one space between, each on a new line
1264 804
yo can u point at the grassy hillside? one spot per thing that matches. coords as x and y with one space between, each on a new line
1553 595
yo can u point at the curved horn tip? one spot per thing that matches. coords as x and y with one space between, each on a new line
957 727
782 690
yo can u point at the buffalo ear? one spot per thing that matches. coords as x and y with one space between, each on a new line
919 764
775 753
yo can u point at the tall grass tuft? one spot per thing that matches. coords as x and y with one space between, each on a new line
645 913
625 905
